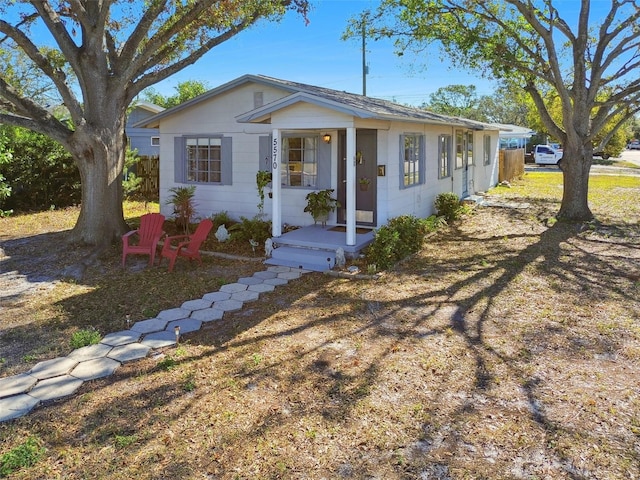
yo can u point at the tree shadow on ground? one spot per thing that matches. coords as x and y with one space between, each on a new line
324 365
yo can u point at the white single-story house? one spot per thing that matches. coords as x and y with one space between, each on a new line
313 138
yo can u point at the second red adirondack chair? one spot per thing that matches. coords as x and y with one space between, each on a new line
187 246
148 234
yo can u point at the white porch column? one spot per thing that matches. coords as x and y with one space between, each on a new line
351 186
276 187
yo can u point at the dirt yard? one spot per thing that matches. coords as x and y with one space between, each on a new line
508 348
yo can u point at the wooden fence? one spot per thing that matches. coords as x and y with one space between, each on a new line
511 164
148 169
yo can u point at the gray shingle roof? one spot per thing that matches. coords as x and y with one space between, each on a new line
379 108
358 105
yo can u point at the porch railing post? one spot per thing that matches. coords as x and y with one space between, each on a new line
351 186
276 222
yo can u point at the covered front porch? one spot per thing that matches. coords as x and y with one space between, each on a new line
347 182
314 247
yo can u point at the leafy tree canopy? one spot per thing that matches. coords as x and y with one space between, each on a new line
456 101
98 56
507 105
185 91
589 60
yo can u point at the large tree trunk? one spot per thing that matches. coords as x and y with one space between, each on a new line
575 166
99 154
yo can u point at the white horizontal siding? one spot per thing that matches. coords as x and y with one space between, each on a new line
217 116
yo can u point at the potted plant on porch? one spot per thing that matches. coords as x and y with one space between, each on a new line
320 204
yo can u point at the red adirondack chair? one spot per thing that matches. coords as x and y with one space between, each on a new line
187 246
148 234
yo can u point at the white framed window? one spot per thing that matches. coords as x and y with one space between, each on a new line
459 149
411 159
155 141
299 161
486 149
464 148
204 160
444 156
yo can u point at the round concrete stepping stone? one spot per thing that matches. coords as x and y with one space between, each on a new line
290 275
121 338
276 282
174 314
159 339
16 406
186 325
245 296
16 384
216 296
96 368
199 304
90 352
56 387
150 325
53 368
250 281
130 352
233 287
207 315
265 275
261 288
228 305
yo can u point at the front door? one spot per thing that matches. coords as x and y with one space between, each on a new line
464 157
366 176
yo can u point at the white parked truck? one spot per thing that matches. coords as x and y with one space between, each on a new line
546 155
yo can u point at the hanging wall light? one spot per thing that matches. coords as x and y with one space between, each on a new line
326 138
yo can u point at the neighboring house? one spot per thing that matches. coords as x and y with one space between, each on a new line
514 136
313 138
147 142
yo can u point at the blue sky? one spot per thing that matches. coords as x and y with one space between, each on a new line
315 54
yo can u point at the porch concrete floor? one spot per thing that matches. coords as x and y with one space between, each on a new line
325 238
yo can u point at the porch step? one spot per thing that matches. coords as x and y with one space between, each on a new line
303 258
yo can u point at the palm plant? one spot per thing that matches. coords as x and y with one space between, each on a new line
184 207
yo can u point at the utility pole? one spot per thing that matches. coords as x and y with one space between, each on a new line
365 68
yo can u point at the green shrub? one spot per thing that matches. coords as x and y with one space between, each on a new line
254 229
399 238
40 172
222 218
448 206
22 456
131 183
84 337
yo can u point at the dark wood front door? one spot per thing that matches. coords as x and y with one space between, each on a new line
366 176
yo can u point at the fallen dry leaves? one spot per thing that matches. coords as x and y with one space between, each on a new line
505 349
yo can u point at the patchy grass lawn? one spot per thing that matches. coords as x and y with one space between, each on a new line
505 349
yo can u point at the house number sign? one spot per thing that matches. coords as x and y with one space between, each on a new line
275 154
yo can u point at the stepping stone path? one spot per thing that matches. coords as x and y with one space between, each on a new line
61 377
